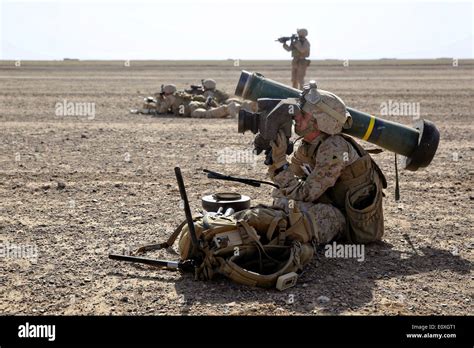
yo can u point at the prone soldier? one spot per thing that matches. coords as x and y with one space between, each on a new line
223 98
184 105
210 90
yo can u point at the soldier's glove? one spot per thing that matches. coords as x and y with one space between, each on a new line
279 147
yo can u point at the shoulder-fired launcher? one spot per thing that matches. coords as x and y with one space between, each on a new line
418 145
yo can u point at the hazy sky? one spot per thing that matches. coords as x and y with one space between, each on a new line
245 29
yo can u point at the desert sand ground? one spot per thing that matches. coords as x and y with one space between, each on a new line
76 188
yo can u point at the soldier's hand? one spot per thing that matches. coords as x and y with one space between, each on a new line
279 146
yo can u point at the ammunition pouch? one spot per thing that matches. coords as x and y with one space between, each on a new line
301 62
199 98
364 211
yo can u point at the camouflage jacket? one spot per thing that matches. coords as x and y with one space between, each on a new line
314 168
219 96
299 49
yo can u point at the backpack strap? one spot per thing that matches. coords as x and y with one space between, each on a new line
303 226
271 227
252 234
280 238
300 254
362 152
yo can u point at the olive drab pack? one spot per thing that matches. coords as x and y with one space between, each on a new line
358 194
252 247
362 183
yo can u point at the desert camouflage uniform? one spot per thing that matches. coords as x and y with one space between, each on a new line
219 96
223 98
314 168
332 182
300 50
184 105
150 105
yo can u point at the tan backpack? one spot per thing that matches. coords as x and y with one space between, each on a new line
246 254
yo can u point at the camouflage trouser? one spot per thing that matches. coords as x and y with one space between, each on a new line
330 222
200 110
298 72
148 108
248 105
321 223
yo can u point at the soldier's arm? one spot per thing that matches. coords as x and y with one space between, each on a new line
286 47
222 96
331 159
164 104
297 161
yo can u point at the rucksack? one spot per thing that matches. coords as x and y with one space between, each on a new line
246 254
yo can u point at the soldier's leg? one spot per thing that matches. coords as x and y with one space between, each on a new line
294 71
147 108
301 74
198 113
218 112
321 222
196 109
230 100
249 105
233 109
328 220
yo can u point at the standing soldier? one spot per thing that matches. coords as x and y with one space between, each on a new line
299 51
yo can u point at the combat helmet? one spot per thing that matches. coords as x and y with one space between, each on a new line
328 109
209 84
302 32
168 89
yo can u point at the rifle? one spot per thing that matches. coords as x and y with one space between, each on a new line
185 266
149 100
210 102
284 39
251 182
195 90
